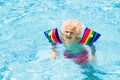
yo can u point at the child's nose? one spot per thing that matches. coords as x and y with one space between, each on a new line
68 34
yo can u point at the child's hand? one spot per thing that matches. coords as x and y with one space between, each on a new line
54 55
92 58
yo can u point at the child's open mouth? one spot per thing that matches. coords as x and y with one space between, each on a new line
69 37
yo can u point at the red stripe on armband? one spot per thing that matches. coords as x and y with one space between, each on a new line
85 36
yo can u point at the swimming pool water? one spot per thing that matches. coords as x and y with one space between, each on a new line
24 50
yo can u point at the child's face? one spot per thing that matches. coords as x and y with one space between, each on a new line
70 33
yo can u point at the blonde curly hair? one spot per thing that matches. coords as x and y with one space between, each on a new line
74 25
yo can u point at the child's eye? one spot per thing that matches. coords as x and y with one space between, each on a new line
71 32
66 31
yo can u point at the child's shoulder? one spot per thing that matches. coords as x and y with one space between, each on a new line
63 38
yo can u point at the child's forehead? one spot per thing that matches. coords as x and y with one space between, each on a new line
71 28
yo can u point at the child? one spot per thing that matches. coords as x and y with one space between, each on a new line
72 29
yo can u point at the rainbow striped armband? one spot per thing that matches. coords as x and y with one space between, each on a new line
53 36
89 37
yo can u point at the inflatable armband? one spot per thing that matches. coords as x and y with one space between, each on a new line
89 37
53 36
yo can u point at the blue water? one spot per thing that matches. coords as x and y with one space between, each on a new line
24 50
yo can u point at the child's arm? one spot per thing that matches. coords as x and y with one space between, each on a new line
54 53
93 50
53 46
